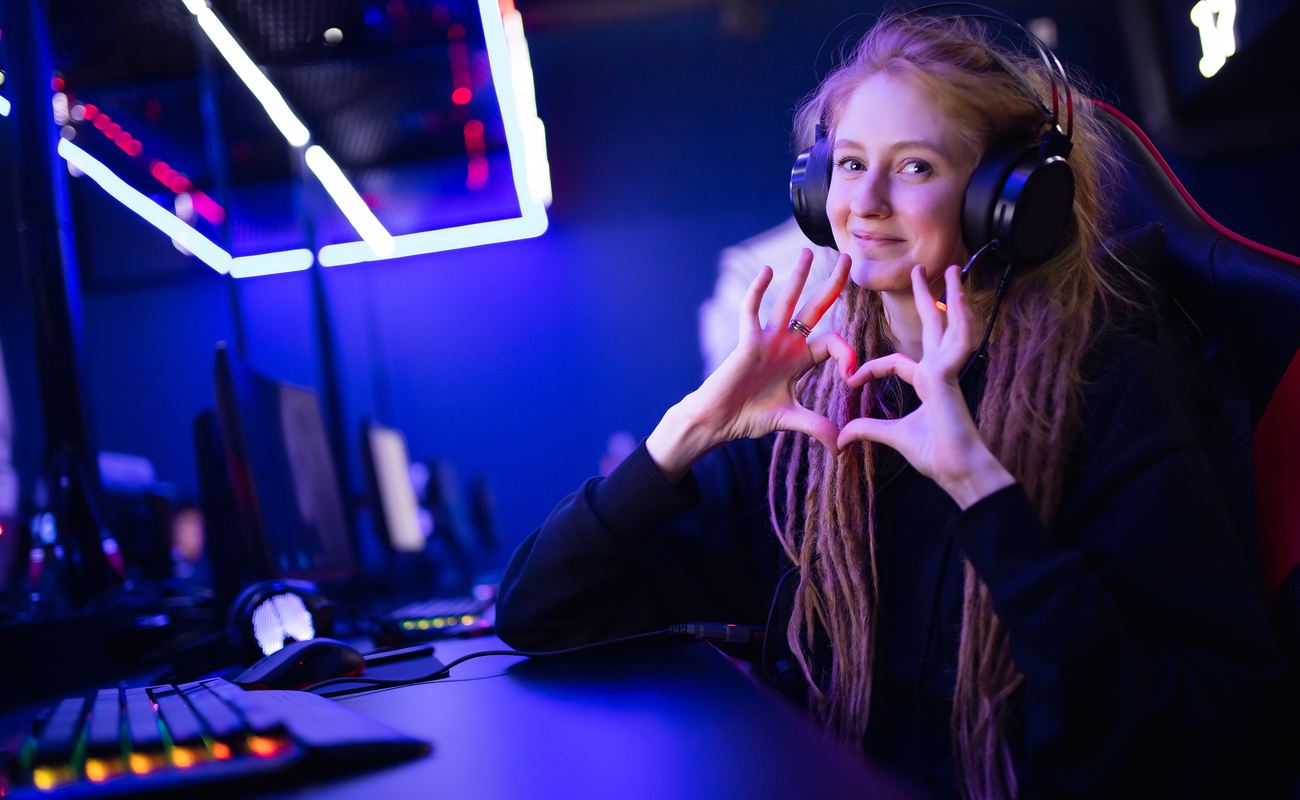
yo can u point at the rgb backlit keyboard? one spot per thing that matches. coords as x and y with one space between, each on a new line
125 742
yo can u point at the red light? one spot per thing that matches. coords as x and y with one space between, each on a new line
91 110
207 208
133 148
456 32
159 170
2 530
262 746
474 129
57 84
461 96
478 174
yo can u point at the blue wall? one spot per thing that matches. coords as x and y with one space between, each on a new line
668 141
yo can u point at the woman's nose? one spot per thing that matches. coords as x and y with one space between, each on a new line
872 196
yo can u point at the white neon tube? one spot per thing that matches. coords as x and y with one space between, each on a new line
534 132
4 107
201 246
271 263
294 131
375 235
532 219
415 244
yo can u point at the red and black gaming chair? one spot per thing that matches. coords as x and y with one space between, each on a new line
1239 304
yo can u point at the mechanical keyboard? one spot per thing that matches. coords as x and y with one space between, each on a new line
126 742
467 615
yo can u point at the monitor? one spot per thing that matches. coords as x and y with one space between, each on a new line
282 475
395 511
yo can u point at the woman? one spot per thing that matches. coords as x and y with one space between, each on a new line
1014 581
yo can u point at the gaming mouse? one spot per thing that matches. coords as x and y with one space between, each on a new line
301 663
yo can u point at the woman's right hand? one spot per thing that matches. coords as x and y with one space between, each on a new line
752 393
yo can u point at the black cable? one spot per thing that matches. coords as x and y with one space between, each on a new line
767 627
445 670
709 631
993 317
991 251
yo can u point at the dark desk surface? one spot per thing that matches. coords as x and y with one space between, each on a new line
659 719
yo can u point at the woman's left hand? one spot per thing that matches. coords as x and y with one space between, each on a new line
939 438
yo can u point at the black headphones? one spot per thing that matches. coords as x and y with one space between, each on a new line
1020 196
269 614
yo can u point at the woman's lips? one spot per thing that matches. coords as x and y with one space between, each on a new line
875 240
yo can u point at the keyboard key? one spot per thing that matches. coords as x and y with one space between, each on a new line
142 722
57 738
105 727
177 717
221 721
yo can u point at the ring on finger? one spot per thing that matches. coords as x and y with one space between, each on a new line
796 325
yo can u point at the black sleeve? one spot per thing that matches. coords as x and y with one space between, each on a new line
1148 661
632 552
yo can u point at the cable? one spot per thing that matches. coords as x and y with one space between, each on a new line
767 627
710 631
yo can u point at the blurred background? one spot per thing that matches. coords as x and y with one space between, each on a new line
667 135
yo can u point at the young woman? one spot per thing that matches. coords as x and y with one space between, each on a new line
1017 581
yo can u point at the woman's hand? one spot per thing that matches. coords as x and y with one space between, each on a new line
939 439
752 392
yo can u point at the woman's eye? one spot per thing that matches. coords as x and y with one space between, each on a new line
914 166
850 163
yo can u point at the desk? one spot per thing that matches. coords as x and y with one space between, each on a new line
649 720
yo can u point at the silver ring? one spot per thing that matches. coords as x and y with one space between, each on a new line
796 325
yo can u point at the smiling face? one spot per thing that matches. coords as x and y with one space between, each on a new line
898 174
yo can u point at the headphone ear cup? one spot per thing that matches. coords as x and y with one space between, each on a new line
1022 200
810 183
242 621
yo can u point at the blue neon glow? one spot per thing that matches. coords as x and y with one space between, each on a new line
532 219
201 246
4 107
271 263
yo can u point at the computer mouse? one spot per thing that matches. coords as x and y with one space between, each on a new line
298 664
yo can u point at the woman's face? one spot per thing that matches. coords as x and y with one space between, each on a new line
898 173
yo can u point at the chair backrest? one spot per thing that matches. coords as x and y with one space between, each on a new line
1245 300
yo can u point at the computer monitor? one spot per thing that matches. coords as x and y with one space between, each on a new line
282 475
395 511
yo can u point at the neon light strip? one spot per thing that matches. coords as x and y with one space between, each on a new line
532 219
4 107
201 246
414 244
196 243
349 202
261 87
336 183
271 263
521 75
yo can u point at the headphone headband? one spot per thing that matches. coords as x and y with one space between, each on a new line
1049 58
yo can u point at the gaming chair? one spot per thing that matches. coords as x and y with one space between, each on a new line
1238 304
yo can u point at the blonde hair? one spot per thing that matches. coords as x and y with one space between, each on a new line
824 520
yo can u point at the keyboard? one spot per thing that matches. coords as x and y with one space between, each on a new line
164 739
467 615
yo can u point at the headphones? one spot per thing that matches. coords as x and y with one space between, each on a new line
1020 197
270 614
